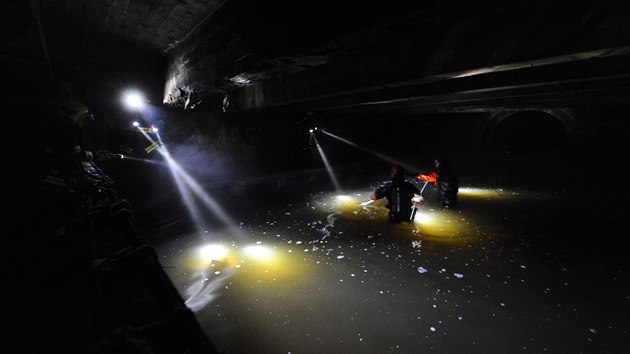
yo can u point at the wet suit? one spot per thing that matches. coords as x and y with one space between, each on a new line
398 193
446 181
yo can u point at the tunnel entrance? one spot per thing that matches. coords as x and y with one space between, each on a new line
528 131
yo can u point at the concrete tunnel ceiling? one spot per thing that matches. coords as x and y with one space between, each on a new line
410 57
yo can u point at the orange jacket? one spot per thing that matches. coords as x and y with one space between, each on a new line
428 177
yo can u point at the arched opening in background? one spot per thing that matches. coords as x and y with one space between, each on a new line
527 131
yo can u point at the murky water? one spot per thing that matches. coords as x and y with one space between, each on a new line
508 271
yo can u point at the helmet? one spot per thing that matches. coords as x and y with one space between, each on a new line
73 112
396 170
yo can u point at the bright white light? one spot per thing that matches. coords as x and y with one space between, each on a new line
136 124
258 252
134 100
422 218
213 253
155 129
344 198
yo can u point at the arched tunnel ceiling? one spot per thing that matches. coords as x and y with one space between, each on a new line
340 56
49 41
410 57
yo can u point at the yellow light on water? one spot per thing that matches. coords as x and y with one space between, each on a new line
346 200
211 253
423 218
481 193
258 252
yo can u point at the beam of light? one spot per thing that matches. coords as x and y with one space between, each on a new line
207 200
374 153
127 157
159 138
189 202
180 174
329 169
343 140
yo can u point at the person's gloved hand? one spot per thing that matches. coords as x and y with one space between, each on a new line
417 199
374 197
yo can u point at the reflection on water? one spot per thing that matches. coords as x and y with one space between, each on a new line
467 192
331 275
430 225
348 218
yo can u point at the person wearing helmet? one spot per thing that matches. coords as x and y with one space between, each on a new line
64 132
399 194
445 179
74 113
78 233
65 129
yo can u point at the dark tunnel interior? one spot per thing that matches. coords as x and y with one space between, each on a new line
529 130
262 135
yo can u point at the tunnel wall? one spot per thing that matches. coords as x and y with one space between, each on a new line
529 129
264 143
280 67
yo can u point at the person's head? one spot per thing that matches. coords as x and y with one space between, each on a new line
397 170
73 112
440 161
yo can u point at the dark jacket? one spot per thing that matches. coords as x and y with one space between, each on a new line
398 193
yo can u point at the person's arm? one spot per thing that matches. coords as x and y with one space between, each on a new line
380 192
430 177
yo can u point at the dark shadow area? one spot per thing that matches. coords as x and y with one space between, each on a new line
528 131
84 279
